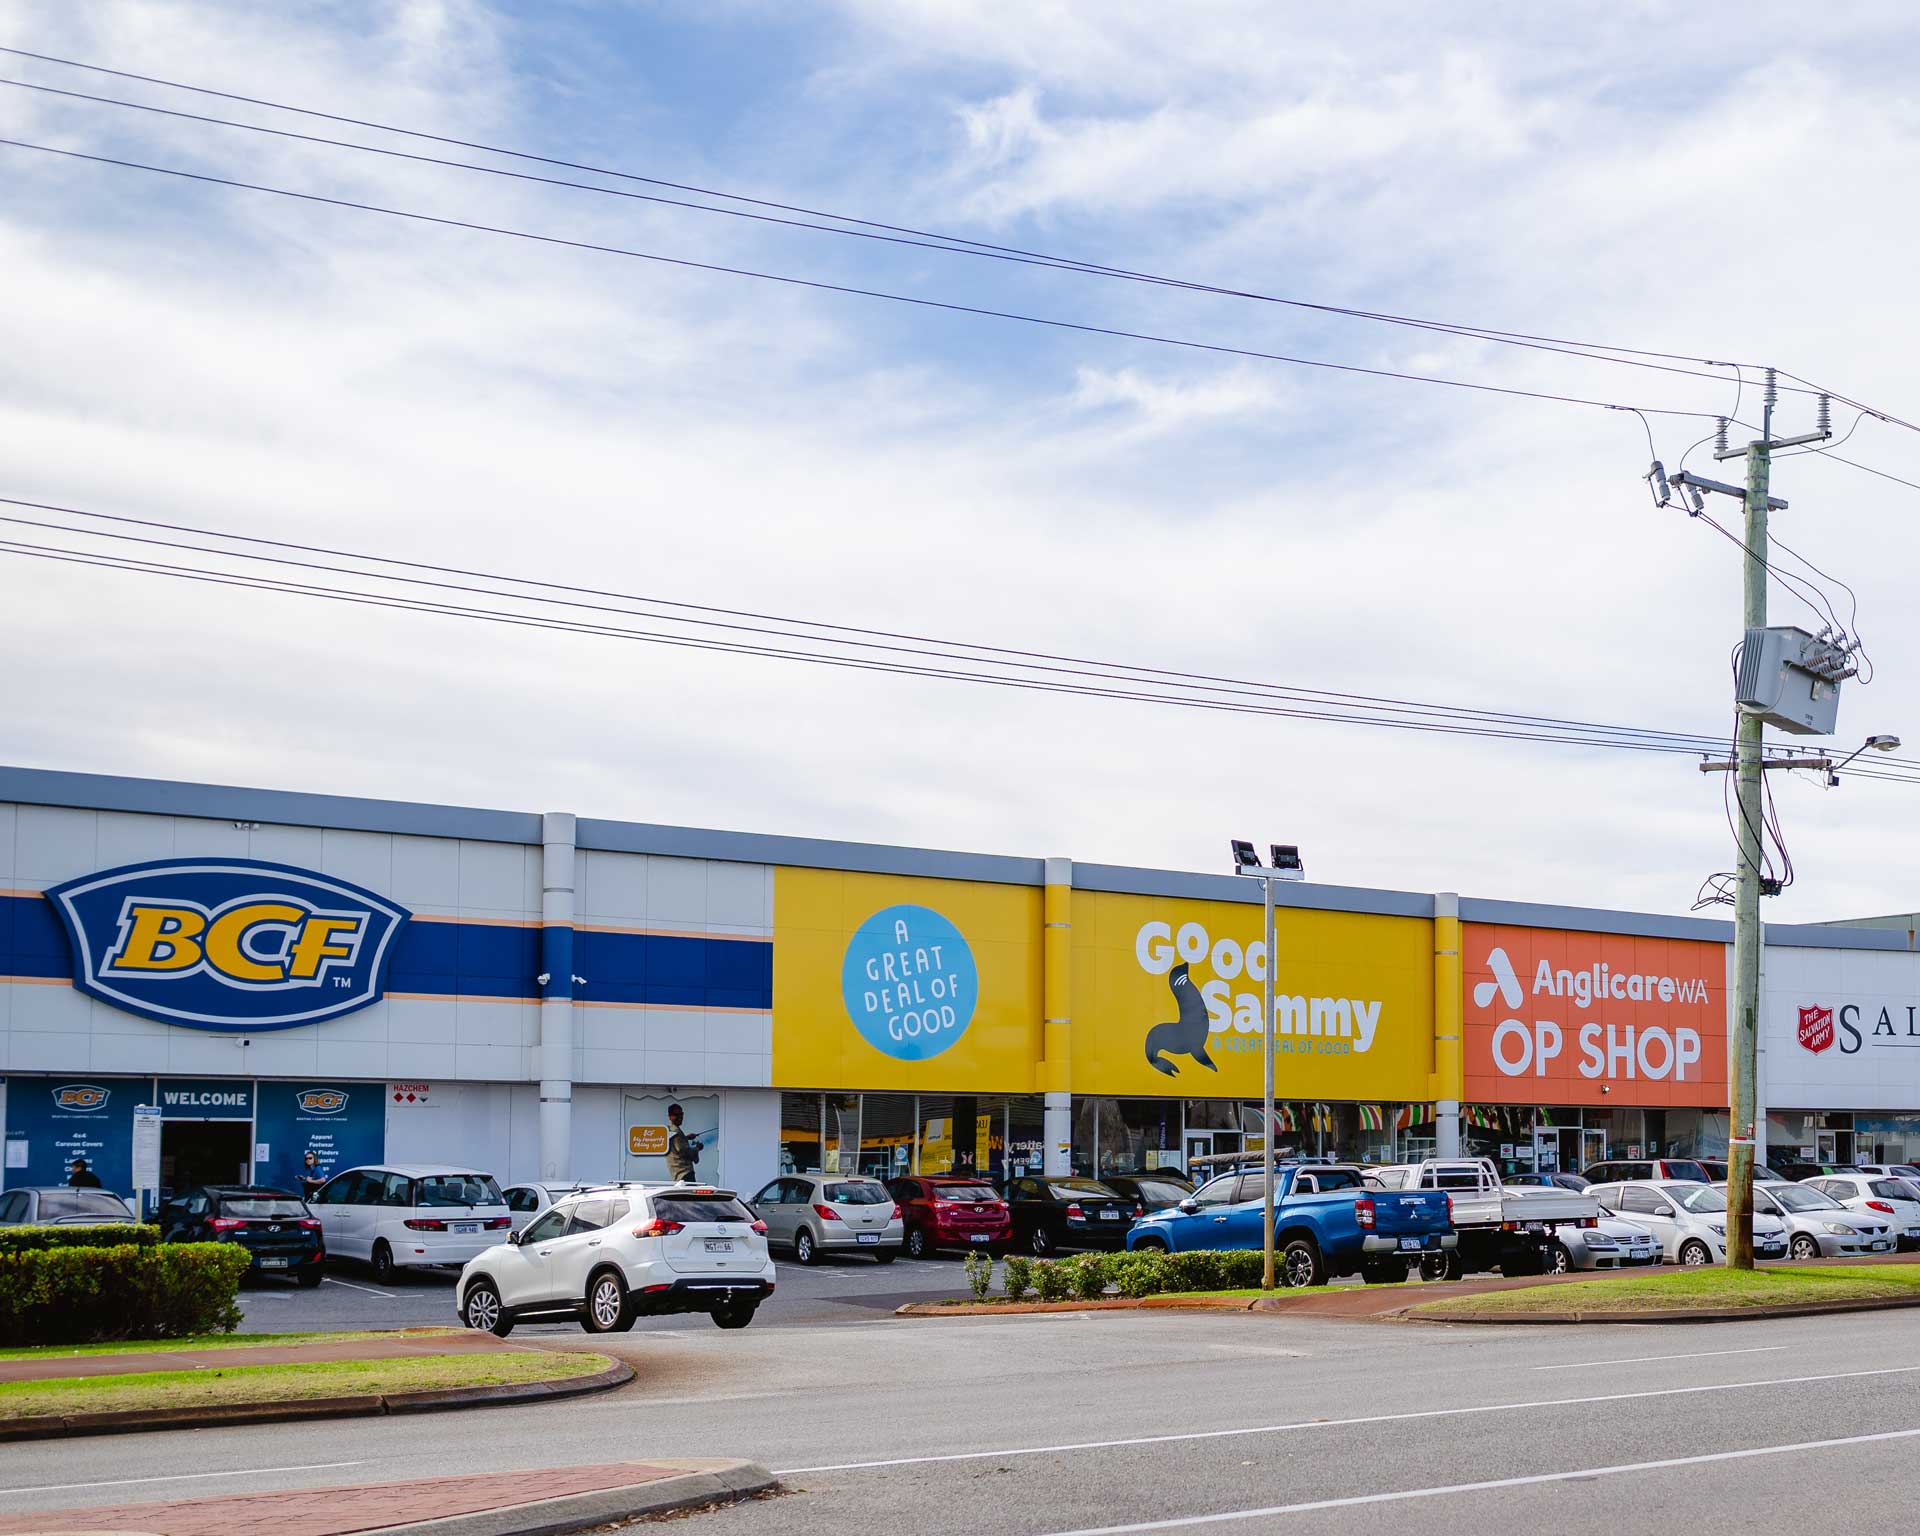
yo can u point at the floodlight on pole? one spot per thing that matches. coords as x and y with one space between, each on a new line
1873 743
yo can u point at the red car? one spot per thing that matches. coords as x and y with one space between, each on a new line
951 1211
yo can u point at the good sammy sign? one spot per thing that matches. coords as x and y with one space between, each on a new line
1554 1016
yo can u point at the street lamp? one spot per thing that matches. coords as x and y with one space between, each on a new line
1286 866
1877 743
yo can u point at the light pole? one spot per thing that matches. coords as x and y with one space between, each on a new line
1286 866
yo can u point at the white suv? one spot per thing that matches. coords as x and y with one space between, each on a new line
409 1216
610 1255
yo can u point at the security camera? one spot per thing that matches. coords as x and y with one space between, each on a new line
544 977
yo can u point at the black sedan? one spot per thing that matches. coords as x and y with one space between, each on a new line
1150 1192
273 1225
1064 1212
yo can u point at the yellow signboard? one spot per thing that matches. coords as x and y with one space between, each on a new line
895 982
647 1141
1167 1000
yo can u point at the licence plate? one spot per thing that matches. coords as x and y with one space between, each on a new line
1109 1215
1410 1243
978 1237
719 1245
273 1263
465 1228
1882 1246
867 1237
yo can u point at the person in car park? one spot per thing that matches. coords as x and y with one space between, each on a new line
311 1178
81 1176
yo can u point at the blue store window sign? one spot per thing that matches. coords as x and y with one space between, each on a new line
51 1121
343 1124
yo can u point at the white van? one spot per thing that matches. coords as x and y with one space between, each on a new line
410 1216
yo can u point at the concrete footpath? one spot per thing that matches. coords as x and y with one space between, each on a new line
534 1503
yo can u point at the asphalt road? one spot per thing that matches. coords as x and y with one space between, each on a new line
1133 1421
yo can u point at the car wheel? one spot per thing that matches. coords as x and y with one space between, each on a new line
1150 1245
885 1255
1694 1254
606 1307
482 1311
736 1314
803 1247
917 1244
1804 1247
1559 1259
1301 1264
384 1269
1040 1241
311 1276
1441 1266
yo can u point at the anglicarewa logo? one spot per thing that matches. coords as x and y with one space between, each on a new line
1505 982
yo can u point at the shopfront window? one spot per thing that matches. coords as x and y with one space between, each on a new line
841 1128
1138 1135
1886 1138
886 1134
800 1133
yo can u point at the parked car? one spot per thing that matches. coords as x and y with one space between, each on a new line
1606 1242
1689 1220
1150 1192
1327 1222
526 1201
950 1211
1819 1226
1572 1181
397 1217
274 1225
56 1205
816 1213
605 1257
1884 1198
1907 1171
1717 1171
1641 1170
1498 1227
1067 1212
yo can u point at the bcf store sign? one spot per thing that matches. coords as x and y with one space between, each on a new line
1557 1016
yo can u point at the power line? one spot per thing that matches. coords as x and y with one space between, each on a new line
821 286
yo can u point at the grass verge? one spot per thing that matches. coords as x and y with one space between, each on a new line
212 1341
210 1386
1707 1289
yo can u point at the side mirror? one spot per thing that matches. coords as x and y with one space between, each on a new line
1189 1205
513 1238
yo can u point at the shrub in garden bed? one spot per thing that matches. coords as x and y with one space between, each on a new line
83 1294
1053 1279
1016 1276
26 1239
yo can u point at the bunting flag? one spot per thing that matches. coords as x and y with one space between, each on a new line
1372 1118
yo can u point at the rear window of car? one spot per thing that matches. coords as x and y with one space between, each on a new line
694 1208
250 1209
1892 1189
458 1189
1452 1178
1079 1189
858 1192
1686 1170
1160 1189
963 1192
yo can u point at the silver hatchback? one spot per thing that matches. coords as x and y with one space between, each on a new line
816 1213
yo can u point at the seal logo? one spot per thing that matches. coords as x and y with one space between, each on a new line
1185 1035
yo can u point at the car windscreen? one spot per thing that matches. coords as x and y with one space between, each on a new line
458 1189
259 1207
1702 1199
963 1192
692 1208
858 1192
1797 1197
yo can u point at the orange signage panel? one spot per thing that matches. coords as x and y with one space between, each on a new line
647 1140
1558 1016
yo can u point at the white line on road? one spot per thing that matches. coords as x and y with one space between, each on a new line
1244 1349
1372 1418
368 1290
1353 1500
1704 1354
182 1477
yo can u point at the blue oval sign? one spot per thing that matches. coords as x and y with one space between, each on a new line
909 982
227 944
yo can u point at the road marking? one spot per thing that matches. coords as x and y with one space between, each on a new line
1242 1349
182 1477
1372 1418
364 1289
1764 1349
1533 1480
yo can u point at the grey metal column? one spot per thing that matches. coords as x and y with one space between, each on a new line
555 1052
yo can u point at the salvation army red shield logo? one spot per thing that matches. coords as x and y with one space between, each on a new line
1816 1028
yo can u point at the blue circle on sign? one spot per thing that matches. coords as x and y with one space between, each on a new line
909 982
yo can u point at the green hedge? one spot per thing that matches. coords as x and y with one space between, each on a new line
83 1295
1144 1272
32 1239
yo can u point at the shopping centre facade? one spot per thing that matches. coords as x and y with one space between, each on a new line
527 993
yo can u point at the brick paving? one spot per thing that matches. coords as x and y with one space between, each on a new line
340 1511
397 1346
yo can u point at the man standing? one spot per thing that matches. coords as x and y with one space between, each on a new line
81 1176
682 1150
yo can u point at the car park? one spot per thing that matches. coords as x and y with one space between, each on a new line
398 1217
1819 1226
1065 1212
526 1201
822 1213
1149 1192
1498 1228
58 1205
1689 1219
1883 1198
1605 1242
607 1256
1640 1170
273 1225
1327 1220
950 1211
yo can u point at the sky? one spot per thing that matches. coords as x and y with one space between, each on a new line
1711 180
